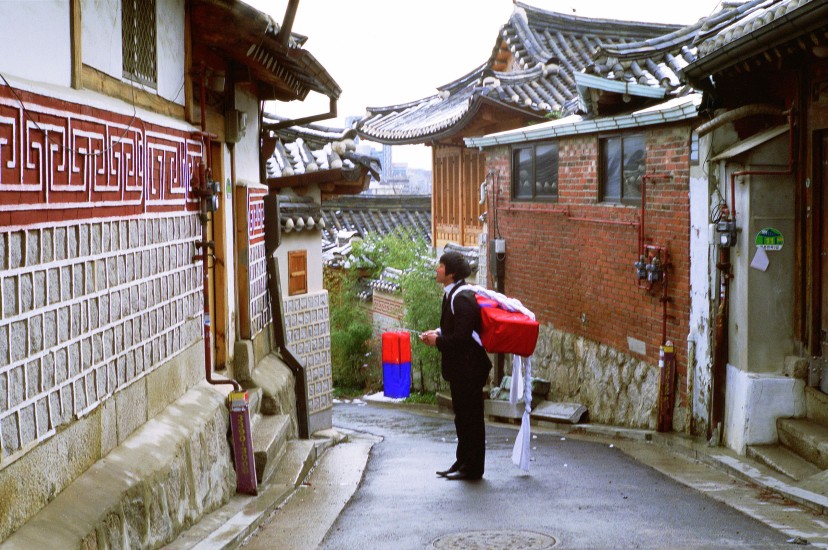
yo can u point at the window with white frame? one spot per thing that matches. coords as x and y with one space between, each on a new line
623 162
140 57
535 172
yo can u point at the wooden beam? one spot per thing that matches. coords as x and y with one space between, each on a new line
76 35
102 83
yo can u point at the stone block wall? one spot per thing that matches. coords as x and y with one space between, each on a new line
307 327
87 309
617 388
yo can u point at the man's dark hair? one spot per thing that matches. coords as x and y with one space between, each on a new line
456 265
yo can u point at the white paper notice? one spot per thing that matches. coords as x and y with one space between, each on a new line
760 260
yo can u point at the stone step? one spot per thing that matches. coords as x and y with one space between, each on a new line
806 438
783 460
270 436
816 406
565 413
300 455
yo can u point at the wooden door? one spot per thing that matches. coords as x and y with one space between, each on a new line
821 165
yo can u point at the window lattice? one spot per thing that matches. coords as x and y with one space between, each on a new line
139 50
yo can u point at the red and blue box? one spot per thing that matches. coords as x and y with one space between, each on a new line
396 364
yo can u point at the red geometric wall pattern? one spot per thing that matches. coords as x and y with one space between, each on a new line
98 286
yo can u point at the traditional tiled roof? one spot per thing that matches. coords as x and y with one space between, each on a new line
756 26
377 214
299 156
299 214
276 63
531 71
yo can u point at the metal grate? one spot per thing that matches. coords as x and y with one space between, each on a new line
139 50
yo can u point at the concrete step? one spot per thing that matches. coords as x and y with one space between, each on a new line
300 455
817 483
816 406
783 460
806 438
270 437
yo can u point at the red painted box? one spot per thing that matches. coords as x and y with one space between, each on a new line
506 331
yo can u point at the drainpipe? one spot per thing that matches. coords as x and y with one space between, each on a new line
287 23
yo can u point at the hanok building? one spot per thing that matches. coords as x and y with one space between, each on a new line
529 77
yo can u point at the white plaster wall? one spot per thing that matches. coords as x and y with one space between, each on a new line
37 40
303 240
754 402
702 295
102 47
101 39
247 150
170 41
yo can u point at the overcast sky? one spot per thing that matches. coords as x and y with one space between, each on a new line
384 52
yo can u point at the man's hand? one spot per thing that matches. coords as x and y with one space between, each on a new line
429 338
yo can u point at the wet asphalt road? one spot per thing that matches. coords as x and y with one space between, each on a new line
584 494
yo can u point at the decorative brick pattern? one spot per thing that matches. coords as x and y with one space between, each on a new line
61 161
86 309
307 323
260 315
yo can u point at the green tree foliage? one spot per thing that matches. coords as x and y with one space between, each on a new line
351 330
421 294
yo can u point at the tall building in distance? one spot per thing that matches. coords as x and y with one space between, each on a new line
395 178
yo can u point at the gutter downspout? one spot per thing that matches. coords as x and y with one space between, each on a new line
287 23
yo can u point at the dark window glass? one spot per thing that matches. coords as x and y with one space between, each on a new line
623 162
546 170
535 172
523 173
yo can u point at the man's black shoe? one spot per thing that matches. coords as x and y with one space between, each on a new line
454 467
462 474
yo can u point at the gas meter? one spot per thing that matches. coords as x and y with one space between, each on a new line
726 229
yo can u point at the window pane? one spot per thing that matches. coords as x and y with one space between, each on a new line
611 169
522 177
634 166
546 170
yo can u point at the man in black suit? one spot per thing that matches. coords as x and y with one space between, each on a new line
465 365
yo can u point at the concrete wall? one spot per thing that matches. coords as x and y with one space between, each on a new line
761 322
754 402
31 28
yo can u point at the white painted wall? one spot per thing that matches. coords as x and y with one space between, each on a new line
170 40
36 40
754 402
102 47
702 292
303 240
247 150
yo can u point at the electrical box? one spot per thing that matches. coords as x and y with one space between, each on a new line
500 246
727 233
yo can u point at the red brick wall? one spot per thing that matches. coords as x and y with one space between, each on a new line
571 262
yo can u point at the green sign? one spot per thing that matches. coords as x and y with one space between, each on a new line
770 239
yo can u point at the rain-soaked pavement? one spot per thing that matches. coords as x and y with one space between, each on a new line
578 494
378 490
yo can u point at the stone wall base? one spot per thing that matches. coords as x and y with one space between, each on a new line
617 388
170 472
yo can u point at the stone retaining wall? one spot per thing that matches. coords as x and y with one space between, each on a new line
616 388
